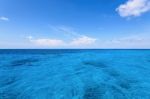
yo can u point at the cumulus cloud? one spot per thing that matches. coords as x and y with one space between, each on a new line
4 18
133 8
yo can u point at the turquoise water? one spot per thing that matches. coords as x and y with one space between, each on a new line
74 74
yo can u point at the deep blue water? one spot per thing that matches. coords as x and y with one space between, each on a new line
74 74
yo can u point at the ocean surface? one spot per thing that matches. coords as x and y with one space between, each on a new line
74 74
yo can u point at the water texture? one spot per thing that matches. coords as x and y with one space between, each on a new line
74 74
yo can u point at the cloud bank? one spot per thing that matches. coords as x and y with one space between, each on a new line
76 42
133 8
75 39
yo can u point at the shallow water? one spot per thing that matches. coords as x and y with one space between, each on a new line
74 74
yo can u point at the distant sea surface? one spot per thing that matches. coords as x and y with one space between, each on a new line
74 74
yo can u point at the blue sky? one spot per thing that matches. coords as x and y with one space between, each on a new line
74 23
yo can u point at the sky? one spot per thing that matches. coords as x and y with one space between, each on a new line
42 24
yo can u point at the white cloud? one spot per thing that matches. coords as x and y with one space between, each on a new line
130 41
83 40
77 42
75 39
46 42
29 37
133 8
4 18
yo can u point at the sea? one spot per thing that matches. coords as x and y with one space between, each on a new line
74 74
